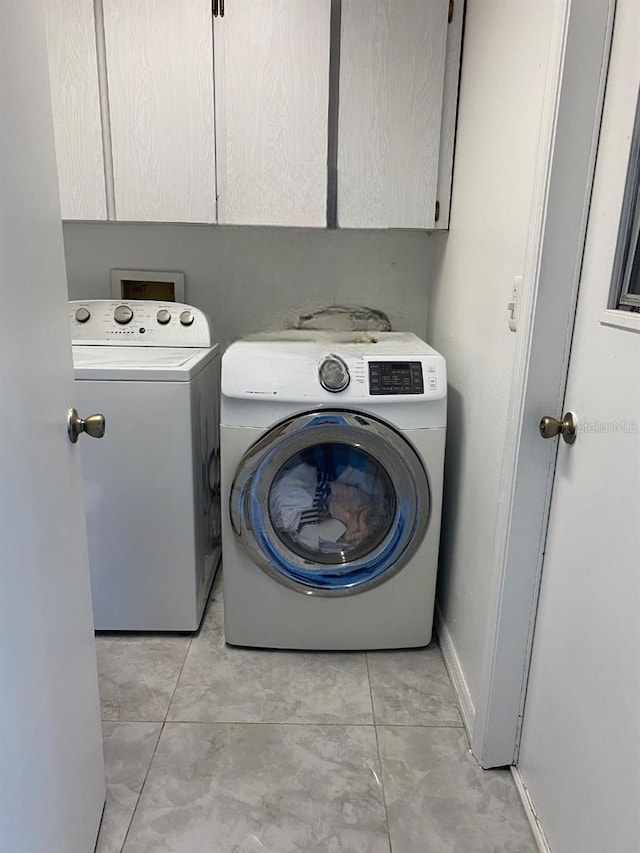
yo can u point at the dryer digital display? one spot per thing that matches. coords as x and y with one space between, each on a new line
395 377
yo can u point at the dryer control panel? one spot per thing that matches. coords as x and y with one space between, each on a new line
318 368
138 322
395 377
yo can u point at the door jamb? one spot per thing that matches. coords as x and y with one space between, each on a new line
576 79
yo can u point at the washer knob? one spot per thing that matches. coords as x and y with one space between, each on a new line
334 374
123 315
186 318
82 315
163 316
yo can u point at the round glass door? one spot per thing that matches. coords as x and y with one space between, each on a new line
330 503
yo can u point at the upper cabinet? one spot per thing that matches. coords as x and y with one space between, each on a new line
159 79
392 60
279 112
272 93
73 72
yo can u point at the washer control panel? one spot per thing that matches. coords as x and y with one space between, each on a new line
141 322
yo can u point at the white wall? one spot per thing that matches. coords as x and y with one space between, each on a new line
504 69
247 278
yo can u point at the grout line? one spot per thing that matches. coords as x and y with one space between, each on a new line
373 713
375 729
384 796
350 725
383 725
144 782
269 723
345 724
163 723
184 660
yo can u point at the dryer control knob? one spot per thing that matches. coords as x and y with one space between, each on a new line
334 374
187 318
82 315
163 316
123 315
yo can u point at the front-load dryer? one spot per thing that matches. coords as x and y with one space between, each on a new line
332 450
152 484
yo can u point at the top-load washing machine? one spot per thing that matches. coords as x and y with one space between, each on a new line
152 484
332 451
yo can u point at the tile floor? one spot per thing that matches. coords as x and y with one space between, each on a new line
210 749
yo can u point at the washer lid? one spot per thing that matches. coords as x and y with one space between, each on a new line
169 364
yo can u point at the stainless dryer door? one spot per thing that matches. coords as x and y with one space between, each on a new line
330 502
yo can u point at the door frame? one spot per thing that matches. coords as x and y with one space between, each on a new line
576 79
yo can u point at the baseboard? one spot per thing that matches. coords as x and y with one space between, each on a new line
532 817
452 664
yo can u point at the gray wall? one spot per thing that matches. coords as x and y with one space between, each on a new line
248 278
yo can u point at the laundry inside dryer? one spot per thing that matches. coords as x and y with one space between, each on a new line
332 502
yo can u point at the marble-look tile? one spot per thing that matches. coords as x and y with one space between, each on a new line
440 801
128 749
412 688
245 788
137 675
221 683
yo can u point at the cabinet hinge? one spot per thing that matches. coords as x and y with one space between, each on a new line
451 5
437 213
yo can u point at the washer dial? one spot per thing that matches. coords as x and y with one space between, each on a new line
82 315
333 374
123 315
186 318
163 316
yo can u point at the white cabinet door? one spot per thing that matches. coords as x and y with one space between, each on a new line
73 72
272 94
160 81
392 62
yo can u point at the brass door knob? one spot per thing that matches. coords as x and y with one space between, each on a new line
93 426
551 427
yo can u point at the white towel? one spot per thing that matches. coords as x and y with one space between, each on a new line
314 536
291 495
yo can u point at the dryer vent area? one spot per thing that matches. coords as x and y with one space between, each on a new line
332 503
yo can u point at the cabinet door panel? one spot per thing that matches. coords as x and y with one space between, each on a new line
73 72
449 113
391 85
272 91
160 78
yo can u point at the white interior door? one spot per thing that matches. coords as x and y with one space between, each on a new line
580 748
52 776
